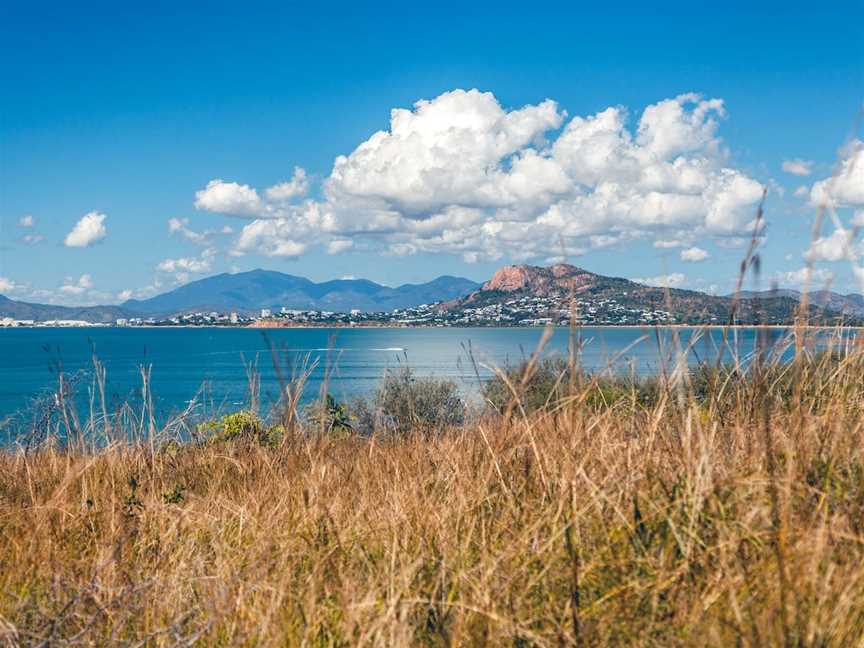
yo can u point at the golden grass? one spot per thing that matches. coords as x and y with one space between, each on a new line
734 517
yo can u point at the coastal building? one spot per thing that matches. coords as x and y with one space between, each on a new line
265 312
233 319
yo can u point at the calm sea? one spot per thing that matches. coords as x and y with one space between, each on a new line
210 363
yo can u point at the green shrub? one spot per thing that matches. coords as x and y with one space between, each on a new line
404 402
243 426
330 416
550 381
546 384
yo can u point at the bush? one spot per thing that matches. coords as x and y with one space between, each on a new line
547 384
403 402
329 416
242 426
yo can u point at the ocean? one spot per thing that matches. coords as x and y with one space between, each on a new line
209 365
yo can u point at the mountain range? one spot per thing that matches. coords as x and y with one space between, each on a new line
249 292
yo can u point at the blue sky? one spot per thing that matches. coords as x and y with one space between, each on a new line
127 113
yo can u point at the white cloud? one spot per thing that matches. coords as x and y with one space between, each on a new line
271 238
193 265
229 198
339 245
297 186
7 285
836 247
449 151
857 218
846 187
461 174
666 244
124 295
805 277
289 233
801 191
87 231
28 222
181 226
798 167
694 254
672 280
77 286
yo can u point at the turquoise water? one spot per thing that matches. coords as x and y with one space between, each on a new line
185 360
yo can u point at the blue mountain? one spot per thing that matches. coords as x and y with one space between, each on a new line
249 292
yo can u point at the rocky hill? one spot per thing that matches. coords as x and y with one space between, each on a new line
531 293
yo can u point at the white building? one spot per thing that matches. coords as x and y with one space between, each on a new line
265 312
233 318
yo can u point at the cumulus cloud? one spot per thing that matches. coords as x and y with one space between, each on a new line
846 187
189 265
798 167
78 286
449 151
672 280
27 221
297 186
462 174
801 191
805 277
234 199
694 254
87 231
289 233
229 198
836 247
271 238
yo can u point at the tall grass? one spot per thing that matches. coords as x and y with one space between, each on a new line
718 507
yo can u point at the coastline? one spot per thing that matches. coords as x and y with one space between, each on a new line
332 326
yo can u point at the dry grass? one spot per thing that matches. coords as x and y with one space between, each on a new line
734 516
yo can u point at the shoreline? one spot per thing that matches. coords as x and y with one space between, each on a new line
462 327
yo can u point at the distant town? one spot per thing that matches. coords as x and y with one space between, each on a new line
522 311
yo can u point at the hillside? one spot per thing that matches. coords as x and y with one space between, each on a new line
41 312
604 299
851 303
519 294
251 291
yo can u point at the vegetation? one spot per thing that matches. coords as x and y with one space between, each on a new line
405 403
718 507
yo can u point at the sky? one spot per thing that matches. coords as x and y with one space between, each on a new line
146 145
